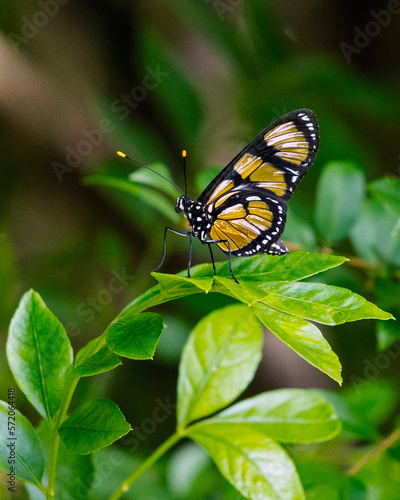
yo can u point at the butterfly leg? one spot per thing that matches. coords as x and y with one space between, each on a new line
229 253
176 231
230 262
190 253
212 257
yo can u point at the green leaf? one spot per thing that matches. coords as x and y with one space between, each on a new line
319 302
355 425
291 267
173 287
325 491
94 358
255 464
302 337
382 475
152 297
287 415
299 230
315 301
364 235
323 480
39 354
376 235
22 447
387 192
218 362
340 193
294 266
136 336
93 426
387 333
173 283
374 400
146 195
243 291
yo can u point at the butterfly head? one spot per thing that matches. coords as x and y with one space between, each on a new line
182 203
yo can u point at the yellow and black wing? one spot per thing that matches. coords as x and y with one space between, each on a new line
247 199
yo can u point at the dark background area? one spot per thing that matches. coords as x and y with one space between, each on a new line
203 75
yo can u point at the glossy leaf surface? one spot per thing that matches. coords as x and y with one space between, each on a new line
387 191
291 267
255 464
287 415
94 358
218 361
340 193
319 302
303 337
39 354
93 426
136 336
21 445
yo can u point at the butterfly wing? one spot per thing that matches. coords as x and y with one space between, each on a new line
247 200
250 220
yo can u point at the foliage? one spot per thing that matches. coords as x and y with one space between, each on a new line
218 362
229 68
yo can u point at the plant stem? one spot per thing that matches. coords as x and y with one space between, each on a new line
41 488
165 446
55 438
55 441
382 446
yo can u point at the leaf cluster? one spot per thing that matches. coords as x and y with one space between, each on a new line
218 362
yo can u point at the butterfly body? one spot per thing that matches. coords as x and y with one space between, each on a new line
199 219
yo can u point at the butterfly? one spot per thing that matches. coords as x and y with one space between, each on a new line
243 209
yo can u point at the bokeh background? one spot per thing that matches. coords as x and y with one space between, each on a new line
81 80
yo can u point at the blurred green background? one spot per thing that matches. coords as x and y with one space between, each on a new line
81 80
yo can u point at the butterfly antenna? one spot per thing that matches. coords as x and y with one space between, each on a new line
184 169
123 155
